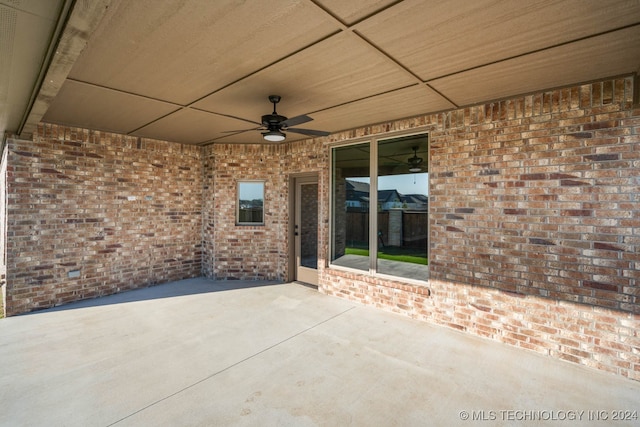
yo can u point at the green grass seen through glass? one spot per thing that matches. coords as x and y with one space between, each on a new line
415 259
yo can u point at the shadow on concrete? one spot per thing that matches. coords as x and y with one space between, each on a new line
194 286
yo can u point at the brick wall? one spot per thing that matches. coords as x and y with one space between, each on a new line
233 251
538 196
246 252
92 213
534 225
3 227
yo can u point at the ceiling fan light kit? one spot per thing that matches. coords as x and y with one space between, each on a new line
273 136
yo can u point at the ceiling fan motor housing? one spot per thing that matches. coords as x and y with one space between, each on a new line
415 160
272 121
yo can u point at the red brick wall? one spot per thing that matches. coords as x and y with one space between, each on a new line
247 252
255 252
538 196
3 227
534 224
115 211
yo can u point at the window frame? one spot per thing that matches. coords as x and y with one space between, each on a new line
238 209
373 219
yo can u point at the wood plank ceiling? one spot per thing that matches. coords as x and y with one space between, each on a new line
191 71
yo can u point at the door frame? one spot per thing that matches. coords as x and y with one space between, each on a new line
294 180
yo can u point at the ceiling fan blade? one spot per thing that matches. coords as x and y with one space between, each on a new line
243 130
310 132
298 120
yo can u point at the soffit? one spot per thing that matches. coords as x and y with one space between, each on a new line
457 35
25 30
338 70
350 12
192 71
192 126
599 57
394 105
182 51
100 108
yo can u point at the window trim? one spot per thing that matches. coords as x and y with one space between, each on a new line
373 141
250 181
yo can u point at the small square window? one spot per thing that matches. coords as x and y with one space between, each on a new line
250 203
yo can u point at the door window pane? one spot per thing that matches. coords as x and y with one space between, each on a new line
309 225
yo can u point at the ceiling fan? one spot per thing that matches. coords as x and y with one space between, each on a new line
415 161
274 125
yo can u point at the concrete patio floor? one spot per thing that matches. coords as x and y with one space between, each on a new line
204 353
